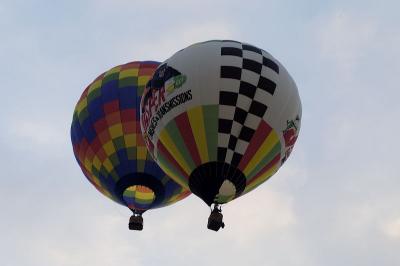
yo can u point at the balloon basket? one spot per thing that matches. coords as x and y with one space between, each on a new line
215 220
136 222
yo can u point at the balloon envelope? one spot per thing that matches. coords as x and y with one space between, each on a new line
108 145
220 117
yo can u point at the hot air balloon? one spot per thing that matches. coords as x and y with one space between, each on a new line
108 145
220 118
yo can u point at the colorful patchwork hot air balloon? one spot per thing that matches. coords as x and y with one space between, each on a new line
220 118
108 145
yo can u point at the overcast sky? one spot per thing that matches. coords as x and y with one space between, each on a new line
336 201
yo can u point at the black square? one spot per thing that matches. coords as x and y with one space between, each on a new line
228 98
271 64
232 51
252 48
232 142
247 89
240 115
225 126
236 159
257 108
252 65
222 154
231 72
246 133
266 85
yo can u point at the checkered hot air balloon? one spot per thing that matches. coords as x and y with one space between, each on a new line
108 145
220 118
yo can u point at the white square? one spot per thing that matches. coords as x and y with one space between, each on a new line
250 77
252 121
228 157
266 54
243 102
241 146
270 74
223 139
230 60
236 127
263 97
253 56
231 85
232 44
226 112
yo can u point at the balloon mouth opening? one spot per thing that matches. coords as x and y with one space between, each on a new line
217 182
138 197
140 191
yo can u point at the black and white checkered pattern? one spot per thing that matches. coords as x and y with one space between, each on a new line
244 91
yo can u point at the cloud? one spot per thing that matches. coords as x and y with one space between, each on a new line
391 228
167 42
344 38
90 229
37 135
262 212
34 132
353 222
102 241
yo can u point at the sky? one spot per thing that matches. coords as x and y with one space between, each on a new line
336 200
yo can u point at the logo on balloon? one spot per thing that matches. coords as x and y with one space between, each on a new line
290 136
175 83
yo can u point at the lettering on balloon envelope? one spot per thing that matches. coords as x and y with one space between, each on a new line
166 81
